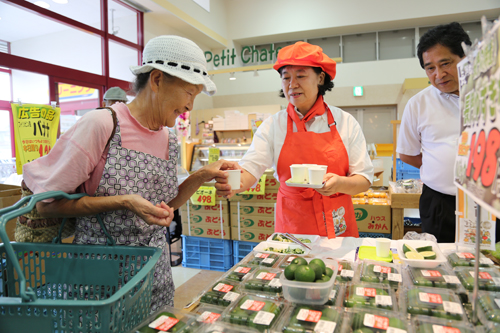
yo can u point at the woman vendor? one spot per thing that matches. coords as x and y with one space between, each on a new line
309 132
132 179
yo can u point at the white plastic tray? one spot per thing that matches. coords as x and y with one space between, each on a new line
312 238
440 258
279 245
289 183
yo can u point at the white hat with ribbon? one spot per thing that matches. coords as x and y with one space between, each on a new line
179 57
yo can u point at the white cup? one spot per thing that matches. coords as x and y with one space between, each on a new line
298 172
316 175
383 247
234 179
307 170
322 166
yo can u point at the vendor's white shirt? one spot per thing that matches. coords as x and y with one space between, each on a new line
431 125
270 136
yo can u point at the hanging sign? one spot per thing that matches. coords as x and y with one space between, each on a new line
260 188
35 131
477 168
204 196
213 154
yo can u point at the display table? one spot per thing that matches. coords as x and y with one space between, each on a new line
400 201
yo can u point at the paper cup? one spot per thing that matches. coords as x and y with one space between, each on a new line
316 175
322 166
298 172
234 179
383 247
307 171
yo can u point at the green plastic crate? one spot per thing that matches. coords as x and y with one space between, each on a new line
72 288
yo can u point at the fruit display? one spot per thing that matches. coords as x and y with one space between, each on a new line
288 250
370 295
434 302
376 321
433 325
419 253
240 272
379 272
335 294
264 280
265 259
280 238
489 304
467 259
253 311
345 272
222 293
302 270
169 320
438 277
312 318
489 278
288 260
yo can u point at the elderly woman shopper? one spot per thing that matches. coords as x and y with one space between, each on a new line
309 132
132 180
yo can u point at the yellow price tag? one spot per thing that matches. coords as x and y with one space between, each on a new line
260 188
213 155
204 196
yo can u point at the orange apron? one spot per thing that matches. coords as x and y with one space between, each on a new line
303 210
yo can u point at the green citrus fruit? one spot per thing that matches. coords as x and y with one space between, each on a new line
304 273
299 261
320 262
290 271
318 270
329 272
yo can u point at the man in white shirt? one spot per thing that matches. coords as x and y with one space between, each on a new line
430 128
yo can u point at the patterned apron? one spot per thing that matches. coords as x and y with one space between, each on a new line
133 172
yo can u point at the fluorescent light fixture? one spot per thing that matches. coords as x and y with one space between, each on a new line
231 76
62 2
357 91
42 4
255 73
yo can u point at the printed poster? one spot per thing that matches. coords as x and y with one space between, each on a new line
477 167
35 131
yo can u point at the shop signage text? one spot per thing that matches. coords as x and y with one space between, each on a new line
247 55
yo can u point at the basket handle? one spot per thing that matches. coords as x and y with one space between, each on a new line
24 206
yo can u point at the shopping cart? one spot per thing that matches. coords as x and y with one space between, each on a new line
68 287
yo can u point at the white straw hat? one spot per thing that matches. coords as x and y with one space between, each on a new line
115 94
179 57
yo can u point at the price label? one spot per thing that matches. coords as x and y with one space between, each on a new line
204 196
260 188
213 154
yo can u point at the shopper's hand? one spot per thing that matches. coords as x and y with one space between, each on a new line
161 214
332 184
221 180
216 169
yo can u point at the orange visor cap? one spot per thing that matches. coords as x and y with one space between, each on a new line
305 54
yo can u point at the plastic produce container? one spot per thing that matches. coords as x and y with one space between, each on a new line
309 240
169 319
489 278
309 292
489 308
281 248
265 282
289 258
375 321
438 277
417 244
433 302
254 312
345 272
336 295
380 272
424 324
221 293
222 327
370 295
264 259
240 272
311 318
208 314
467 259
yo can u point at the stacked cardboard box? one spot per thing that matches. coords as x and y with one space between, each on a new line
373 212
206 221
9 195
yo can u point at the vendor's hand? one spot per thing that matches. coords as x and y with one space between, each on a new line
161 214
216 169
332 184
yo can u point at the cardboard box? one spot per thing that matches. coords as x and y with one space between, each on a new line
9 195
250 234
206 219
253 208
200 208
272 183
253 222
269 197
204 230
373 218
404 200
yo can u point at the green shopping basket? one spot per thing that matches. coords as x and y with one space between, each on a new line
72 288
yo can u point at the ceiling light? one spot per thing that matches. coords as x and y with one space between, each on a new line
42 4
62 2
231 77
255 73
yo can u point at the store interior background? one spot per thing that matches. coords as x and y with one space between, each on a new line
388 70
